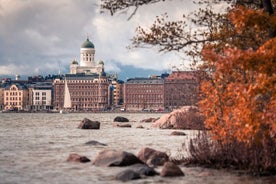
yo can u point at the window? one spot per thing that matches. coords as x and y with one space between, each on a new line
43 93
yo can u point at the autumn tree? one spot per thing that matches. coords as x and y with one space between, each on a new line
236 52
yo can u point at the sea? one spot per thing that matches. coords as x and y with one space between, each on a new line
34 148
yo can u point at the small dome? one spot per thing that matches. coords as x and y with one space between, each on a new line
74 62
87 44
101 62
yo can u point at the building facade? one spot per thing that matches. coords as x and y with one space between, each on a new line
180 89
16 97
117 90
145 94
2 89
40 96
87 92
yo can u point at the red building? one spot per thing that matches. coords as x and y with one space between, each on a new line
87 92
180 89
144 94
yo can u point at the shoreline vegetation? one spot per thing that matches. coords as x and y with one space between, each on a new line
254 159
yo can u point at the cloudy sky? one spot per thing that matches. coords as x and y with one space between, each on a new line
44 36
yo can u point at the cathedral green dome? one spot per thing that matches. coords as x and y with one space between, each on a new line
87 44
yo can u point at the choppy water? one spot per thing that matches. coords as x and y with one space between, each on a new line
34 149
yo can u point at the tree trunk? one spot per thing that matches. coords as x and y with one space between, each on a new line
269 9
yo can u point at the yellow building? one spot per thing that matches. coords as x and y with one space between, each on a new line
15 97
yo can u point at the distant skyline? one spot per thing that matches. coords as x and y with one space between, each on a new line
39 37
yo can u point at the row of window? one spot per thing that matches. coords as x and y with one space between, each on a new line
37 98
38 93
13 98
13 93
13 103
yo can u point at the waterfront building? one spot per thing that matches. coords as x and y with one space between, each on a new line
1 97
87 92
117 89
16 97
144 94
180 89
40 96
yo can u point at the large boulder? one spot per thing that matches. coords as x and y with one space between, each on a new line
120 119
185 118
74 157
109 158
170 169
152 157
88 124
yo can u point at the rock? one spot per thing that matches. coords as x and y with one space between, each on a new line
109 158
136 171
152 157
143 169
127 175
74 157
149 120
140 126
124 125
170 169
95 143
178 133
120 119
185 118
88 124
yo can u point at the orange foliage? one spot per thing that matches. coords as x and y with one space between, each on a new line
239 98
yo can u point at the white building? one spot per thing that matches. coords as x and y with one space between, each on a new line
40 96
87 63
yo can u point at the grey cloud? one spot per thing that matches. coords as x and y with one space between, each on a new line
42 37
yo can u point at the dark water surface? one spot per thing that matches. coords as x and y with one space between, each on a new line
34 148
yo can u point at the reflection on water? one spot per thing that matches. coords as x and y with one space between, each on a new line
34 149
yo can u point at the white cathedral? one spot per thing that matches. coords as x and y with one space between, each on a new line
87 64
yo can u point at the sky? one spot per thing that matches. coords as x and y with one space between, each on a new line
41 37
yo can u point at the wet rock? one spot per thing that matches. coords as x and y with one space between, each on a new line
178 133
74 157
95 143
149 120
127 175
143 169
170 169
136 171
120 119
109 158
124 125
152 157
88 124
140 126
